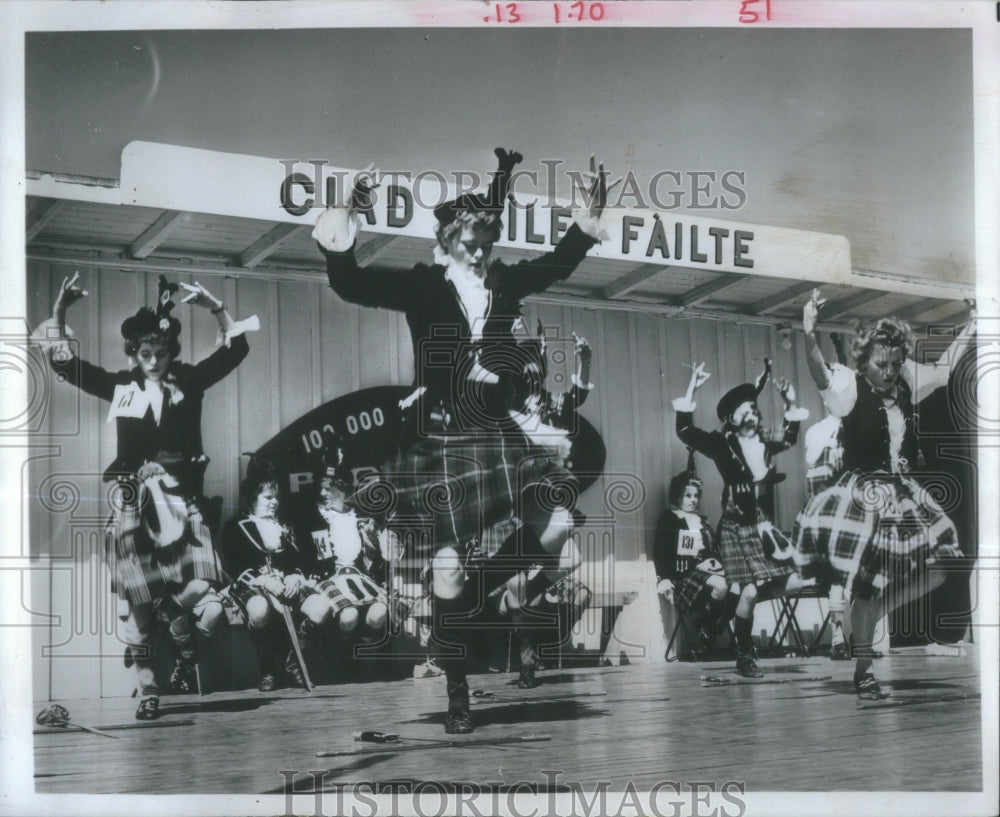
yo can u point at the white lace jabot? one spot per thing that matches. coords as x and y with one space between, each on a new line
473 295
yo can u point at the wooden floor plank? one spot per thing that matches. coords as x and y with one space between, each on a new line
641 724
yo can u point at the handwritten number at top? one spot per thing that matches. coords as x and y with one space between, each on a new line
578 12
749 14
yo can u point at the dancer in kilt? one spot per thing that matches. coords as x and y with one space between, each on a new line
875 531
159 544
463 463
824 455
351 551
688 566
755 554
270 573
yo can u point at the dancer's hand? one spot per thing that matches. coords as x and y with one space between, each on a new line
589 218
364 183
148 470
666 589
785 389
269 582
197 295
583 350
69 293
810 312
294 582
698 377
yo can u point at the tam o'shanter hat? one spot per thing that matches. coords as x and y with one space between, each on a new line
147 321
744 393
493 202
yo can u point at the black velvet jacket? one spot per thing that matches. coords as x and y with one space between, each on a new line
176 440
442 337
243 548
741 490
670 560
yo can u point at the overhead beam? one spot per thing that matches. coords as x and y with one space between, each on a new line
779 298
703 292
41 215
266 244
959 315
158 232
374 247
851 302
68 253
919 308
629 281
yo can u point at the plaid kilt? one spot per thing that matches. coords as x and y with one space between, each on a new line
143 573
448 489
691 591
866 532
241 591
743 553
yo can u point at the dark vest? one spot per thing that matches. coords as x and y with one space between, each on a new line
865 431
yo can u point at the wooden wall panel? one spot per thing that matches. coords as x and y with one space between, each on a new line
313 347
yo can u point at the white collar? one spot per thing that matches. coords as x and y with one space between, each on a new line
473 295
154 392
753 453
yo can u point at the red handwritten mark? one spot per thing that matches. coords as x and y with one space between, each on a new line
749 15
504 13
579 12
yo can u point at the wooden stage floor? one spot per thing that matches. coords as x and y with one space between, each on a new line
800 731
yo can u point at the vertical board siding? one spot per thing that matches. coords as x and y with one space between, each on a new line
313 347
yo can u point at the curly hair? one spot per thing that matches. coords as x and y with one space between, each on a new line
680 483
890 332
476 219
253 486
145 327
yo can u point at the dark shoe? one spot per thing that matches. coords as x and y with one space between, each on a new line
868 688
268 683
459 718
184 678
747 667
526 679
838 646
458 722
293 672
149 709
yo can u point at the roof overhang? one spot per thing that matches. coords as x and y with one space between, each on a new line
187 210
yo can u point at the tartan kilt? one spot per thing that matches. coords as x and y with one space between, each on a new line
241 591
868 531
691 591
743 553
447 489
143 573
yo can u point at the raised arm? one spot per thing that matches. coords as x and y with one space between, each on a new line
227 357
371 285
814 355
570 400
336 233
925 378
85 376
540 273
704 442
794 415
581 377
